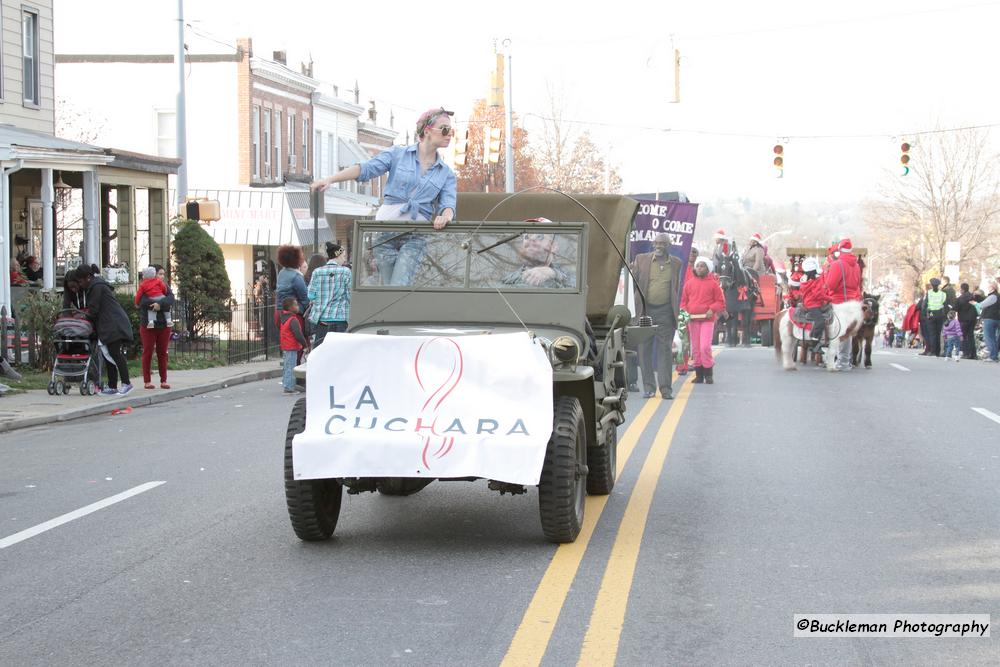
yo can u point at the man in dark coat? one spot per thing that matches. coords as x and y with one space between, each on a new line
111 322
658 277
967 316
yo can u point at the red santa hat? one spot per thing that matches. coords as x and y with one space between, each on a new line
756 237
720 234
845 246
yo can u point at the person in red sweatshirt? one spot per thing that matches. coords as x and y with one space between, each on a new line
814 297
843 285
843 278
703 300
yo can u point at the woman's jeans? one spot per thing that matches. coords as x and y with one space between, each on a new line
323 328
398 258
990 334
289 361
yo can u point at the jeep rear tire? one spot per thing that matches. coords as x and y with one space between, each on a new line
313 504
602 464
563 484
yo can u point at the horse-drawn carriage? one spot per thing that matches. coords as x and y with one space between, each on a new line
863 328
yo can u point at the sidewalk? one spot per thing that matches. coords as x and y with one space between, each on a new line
36 407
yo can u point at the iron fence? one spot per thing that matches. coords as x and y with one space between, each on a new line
245 331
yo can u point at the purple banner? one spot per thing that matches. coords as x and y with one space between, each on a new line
677 219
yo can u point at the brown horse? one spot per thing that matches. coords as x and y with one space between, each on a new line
865 335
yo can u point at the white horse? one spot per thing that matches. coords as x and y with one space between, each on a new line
847 319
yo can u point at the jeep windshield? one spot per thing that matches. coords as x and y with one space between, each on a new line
509 259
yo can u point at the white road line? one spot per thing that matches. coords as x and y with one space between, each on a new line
75 514
900 368
986 413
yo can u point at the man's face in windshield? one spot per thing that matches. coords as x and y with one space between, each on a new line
536 248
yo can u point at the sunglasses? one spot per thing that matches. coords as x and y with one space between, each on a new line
446 130
535 237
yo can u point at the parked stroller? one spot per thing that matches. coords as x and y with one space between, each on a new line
77 357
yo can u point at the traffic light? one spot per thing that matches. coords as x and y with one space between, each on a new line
203 210
495 136
904 158
461 144
779 159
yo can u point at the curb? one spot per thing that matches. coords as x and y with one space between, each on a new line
140 401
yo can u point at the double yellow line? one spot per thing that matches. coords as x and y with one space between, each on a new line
600 645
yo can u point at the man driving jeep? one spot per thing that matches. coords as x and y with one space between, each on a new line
536 253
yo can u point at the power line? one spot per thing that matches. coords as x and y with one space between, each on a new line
748 135
835 22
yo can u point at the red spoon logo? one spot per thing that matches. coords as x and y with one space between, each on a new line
438 368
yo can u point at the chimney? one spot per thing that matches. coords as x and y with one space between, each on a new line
371 111
244 47
307 68
280 57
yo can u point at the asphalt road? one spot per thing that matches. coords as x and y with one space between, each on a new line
781 493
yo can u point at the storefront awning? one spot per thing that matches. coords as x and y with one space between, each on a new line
263 216
350 153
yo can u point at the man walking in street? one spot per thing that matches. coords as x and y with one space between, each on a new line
658 277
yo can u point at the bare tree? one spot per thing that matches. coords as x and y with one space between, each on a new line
568 160
952 193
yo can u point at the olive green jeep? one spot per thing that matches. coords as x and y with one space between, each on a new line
544 263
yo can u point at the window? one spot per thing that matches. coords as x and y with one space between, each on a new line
291 141
166 133
267 143
305 142
277 145
29 52
255 142
317 152
331 153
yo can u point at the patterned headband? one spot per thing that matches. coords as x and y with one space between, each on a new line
428 117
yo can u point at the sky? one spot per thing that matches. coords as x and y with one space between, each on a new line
840 85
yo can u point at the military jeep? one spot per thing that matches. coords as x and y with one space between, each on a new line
471 279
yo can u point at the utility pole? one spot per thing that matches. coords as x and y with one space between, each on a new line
182 184
508 112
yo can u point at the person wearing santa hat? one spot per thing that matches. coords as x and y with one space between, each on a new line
814 297
722 247
843 284
753 258
703 299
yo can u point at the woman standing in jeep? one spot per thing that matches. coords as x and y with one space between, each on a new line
420 187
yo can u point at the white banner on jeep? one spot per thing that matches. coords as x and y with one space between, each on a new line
426 406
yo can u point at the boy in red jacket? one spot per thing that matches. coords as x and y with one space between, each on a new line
293 341
814 298
703 300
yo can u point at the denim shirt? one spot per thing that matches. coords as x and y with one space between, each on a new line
291 283
426 194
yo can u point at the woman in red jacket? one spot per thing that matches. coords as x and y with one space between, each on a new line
703 300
